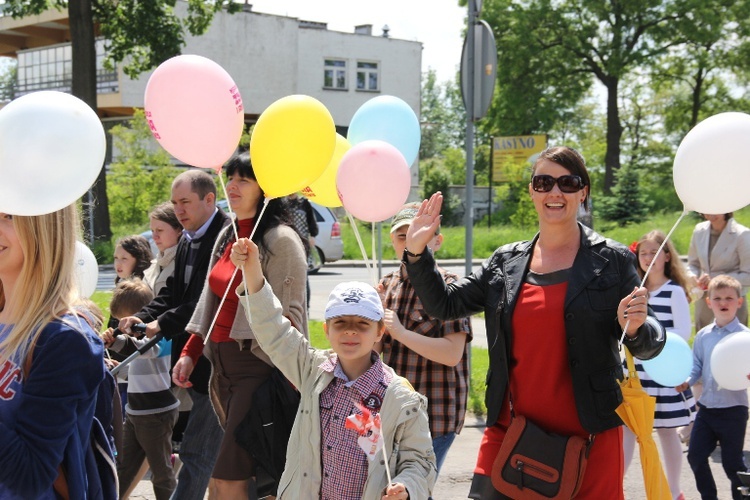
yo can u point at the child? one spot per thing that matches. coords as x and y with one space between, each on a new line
152 408
722 414
667 287
132 257
324 458
432 354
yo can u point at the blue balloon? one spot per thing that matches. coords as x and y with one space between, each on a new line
673 364
387 118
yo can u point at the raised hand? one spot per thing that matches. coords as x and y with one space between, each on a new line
424 225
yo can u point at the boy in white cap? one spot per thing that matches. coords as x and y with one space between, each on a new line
352 404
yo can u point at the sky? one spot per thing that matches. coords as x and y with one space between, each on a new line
438 24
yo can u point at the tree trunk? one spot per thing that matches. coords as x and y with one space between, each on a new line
96 208
614 134
697 91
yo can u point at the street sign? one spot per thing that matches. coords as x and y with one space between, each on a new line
511 153
485 70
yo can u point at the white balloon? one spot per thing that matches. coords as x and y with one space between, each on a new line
711 168
52 148
86 270
730 361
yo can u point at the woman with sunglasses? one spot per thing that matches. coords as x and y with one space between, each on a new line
555 307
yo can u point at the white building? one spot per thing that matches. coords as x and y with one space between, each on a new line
268 56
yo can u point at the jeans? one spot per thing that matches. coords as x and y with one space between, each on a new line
727 426
441 445
199 448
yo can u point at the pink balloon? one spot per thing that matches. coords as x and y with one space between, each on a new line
195 110
373 180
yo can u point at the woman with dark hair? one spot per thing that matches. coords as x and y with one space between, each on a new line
239 366
555 307
132 257
719 245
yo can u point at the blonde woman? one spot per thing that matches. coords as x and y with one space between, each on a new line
51 362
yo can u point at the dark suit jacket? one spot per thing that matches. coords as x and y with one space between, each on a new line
174 305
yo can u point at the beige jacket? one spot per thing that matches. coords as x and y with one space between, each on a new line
730 255
403 414
285 267
162 267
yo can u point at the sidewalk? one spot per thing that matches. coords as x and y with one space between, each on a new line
455 478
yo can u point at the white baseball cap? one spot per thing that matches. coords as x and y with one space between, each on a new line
354 298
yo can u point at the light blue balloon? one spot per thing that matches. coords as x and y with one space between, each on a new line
390 119
673 364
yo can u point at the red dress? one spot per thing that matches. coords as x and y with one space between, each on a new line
542 389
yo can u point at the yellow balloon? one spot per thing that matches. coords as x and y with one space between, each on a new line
323 190
292 144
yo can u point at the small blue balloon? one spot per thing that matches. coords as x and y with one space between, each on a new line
390 119
673 364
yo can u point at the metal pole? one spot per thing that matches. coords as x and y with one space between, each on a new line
469 212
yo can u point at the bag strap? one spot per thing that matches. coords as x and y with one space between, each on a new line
632 372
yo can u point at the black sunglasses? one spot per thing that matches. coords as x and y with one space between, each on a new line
567 183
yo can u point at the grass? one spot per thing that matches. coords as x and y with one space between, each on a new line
486 240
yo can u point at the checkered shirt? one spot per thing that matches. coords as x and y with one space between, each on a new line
344 462
446 387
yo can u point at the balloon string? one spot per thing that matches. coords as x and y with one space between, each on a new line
233 216
385 458
645 276
361 246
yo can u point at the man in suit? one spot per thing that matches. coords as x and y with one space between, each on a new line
194 200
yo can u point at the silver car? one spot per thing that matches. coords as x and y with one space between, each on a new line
328 244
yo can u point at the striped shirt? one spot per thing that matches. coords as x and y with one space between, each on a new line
671 308
446 387
148 376
344 462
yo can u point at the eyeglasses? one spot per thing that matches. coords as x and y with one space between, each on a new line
567 183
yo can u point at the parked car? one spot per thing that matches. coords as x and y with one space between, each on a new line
328 244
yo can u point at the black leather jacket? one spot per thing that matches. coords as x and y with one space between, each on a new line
602 274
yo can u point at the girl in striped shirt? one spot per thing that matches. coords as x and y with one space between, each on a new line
667 286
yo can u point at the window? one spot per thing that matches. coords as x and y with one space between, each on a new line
367 76
51 68
334 74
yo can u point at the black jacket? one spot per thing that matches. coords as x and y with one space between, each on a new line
174 305
603 273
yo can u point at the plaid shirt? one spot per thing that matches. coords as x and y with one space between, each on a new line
344 462
446 387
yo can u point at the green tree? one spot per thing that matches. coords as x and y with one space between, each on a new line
550 53
140 178
144 33
627 203
702 76
8 79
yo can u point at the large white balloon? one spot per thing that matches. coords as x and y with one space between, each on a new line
730 361
86 270
52 148
711 168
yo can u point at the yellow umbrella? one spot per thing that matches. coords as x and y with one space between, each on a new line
637 412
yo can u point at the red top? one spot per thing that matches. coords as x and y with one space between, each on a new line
541 385
218 281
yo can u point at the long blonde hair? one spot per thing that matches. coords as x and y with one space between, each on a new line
45 289
674 269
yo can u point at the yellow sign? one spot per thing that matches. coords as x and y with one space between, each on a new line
510 154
